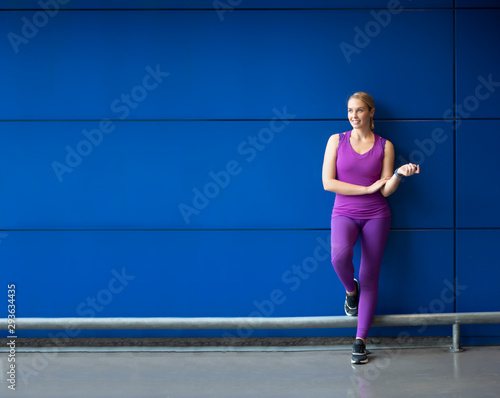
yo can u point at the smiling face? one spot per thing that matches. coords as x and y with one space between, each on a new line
359 114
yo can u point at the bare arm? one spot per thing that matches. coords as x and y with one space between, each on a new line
330 182
387 170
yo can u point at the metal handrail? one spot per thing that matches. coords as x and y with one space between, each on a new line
454 319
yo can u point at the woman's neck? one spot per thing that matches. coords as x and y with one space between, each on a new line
362 134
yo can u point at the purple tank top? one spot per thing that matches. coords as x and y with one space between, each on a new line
362 170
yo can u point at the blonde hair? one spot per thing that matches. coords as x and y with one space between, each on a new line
368 100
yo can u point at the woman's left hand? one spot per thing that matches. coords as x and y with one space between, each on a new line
409 169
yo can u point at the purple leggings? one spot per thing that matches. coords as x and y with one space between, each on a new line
374 233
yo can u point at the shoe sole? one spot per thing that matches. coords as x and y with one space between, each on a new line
359 362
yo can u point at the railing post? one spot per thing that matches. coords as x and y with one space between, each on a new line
456 338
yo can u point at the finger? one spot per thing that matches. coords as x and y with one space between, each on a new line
418 169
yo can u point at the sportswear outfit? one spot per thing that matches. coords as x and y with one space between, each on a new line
353 216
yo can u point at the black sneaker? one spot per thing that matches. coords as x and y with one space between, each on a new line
351 302
359 353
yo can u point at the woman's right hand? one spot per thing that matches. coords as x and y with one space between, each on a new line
375 187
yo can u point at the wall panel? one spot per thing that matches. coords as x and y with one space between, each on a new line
414 280
478 74
477 273
228 5
477 4
477 194
211 273
430 145
145 273
242 68
263 174
165 175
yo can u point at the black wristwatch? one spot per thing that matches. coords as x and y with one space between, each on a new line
398 175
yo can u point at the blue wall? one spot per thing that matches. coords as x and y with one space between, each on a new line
164 158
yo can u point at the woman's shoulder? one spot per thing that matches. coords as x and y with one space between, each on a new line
339 136
386 144
337 139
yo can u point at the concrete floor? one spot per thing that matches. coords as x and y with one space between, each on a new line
325 372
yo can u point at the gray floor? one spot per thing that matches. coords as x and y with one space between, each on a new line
392 372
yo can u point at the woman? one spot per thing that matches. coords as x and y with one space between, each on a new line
358 167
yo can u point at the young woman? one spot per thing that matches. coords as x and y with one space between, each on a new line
358 167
